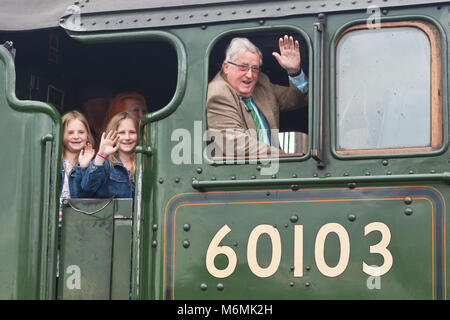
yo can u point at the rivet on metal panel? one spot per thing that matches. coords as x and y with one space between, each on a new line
323 5
154 243
351 217
233 12
186 227
155 227
408 200
385 162
249 11
199 170
233 177
274 176
291 268
367 173
384 11
203 286
177 180
294 175
432 171
203 27
205 15
408 211
351 185
176 17
253 177
411 171
294 218
338 3
308 268
291 284
186 243
219 13
191 16
149 19
106 22
213 178
120 21
278 9
295 187
220 286
346 174
389 173
163 18
161 180
261 22
135 20
307 284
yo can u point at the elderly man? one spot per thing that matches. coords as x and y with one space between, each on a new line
243 105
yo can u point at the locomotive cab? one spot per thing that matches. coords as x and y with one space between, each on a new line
355 209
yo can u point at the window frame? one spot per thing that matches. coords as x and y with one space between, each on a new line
293 157
438 140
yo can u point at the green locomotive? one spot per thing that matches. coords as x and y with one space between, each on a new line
355 209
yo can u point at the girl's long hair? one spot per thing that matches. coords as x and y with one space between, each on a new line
72 115
113 125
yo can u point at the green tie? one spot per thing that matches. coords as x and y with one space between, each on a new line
255 117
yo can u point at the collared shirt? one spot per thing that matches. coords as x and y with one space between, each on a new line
300 82
262 127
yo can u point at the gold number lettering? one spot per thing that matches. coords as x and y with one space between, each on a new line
214 250
276 250
381 248
320 248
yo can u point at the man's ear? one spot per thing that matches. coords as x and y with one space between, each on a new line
225 67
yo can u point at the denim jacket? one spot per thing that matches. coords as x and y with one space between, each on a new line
75 176
107 181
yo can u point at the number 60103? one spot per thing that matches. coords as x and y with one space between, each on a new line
215 249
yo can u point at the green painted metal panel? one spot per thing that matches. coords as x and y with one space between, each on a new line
95 250
30 151
411 220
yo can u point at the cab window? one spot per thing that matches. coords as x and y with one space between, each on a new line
388 89
293 124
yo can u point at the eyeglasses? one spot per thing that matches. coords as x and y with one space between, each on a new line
245 67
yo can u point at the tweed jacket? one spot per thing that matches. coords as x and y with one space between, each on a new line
229 119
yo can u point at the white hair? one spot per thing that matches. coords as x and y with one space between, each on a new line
240 45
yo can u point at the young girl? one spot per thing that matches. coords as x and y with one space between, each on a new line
77 152
111 174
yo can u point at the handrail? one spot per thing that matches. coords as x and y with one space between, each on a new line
318 112
46 142
296 183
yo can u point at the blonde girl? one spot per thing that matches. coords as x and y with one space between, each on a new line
111 174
